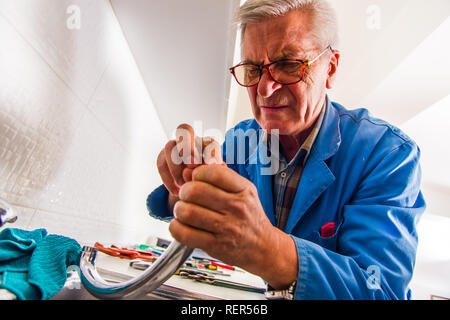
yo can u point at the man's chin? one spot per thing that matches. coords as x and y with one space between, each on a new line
278 127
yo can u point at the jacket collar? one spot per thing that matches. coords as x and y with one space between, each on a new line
316 176
329 138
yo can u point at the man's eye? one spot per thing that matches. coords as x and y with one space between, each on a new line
288 66
252 71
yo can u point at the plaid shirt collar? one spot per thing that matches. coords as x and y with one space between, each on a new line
303 154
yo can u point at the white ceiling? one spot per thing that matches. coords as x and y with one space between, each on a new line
183 50
398 70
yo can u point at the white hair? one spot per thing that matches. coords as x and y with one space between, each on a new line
324 19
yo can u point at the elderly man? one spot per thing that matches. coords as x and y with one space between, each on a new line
336 217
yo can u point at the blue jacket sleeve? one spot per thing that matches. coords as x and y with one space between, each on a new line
377 241
157 204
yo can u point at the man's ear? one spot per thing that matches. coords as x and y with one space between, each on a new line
334 63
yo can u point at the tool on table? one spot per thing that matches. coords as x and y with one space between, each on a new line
204 270
147 248
140 264
205 265
126 253
212 280
151 279
212 264
187 267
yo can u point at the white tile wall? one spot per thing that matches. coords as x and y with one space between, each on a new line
38 115
79 135
78 56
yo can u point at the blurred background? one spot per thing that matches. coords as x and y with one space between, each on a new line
90 91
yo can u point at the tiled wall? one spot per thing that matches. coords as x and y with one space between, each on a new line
79 135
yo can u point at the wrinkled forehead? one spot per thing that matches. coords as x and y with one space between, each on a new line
288 36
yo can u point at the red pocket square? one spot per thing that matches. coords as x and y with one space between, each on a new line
327 230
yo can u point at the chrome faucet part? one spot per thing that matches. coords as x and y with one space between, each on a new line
161 270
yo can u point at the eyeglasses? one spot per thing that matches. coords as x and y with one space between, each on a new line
285 71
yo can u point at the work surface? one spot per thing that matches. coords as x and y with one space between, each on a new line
177 287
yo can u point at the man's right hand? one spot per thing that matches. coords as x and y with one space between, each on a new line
181 156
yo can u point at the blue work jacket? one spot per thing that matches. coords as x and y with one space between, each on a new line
363 175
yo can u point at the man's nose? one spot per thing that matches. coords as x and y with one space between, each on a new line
267 86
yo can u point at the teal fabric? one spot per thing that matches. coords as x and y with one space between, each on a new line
33 264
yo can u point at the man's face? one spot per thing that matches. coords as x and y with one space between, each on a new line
289 108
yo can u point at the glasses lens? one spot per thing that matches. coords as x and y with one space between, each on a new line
287 72
247 75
